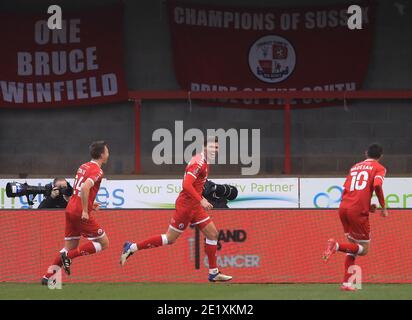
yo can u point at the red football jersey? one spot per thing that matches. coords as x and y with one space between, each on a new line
197 168
87 171
360 183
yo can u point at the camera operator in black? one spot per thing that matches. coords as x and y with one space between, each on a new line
219 194
59 195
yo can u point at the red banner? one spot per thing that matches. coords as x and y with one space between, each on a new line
80 64
255 246
307 48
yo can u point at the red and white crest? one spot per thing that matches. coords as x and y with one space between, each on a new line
272 59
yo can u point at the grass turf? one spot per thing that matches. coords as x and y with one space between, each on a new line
160 291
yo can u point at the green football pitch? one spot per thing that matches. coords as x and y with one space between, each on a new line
160 291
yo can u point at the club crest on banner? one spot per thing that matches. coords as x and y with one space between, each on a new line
272 59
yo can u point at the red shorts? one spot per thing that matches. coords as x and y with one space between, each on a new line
355 224
188 213
76 227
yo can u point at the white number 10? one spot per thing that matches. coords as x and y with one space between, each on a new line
359 180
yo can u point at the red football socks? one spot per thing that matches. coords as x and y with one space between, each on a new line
349 261
152 242
349 247
83 250
210 250
57 262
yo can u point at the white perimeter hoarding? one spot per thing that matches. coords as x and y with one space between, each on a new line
327 192
253 193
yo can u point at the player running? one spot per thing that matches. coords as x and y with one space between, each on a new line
79 218
190 208
363 179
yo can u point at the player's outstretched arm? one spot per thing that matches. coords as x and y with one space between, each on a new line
206 204
188 181
188 186
384 212
96 206
378 187
84 196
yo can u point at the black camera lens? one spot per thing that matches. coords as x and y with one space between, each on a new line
232 193
14 189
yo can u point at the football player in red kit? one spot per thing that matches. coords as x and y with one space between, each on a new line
191 209
363 179
79 218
